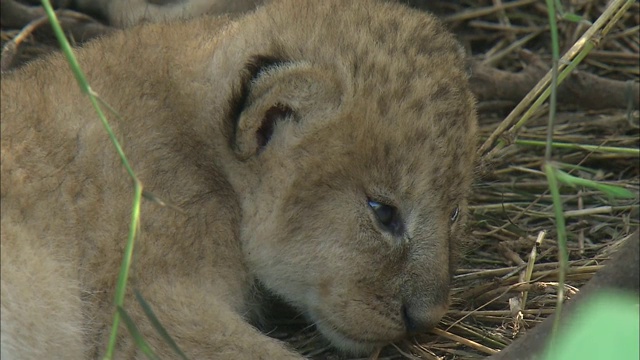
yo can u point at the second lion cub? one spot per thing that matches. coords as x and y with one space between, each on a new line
321 149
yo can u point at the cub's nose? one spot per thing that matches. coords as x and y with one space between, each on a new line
420 319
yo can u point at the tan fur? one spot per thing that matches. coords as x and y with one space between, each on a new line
125 13
370 101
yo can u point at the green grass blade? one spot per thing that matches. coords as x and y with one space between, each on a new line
135 212
610 190
592 148
566 16
121 286
553 95
563 256
82 80
158 326
572 17
135 334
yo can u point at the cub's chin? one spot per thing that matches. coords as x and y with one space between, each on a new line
275 307
346 344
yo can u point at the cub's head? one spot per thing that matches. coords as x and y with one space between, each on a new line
352 133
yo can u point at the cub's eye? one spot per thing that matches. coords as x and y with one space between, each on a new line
387 216
455 213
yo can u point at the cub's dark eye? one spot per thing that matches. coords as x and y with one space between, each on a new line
455 213
387 216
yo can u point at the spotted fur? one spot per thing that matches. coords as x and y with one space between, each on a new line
273 164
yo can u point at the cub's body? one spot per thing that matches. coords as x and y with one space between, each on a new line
276 137
125 13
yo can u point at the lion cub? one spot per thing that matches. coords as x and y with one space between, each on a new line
125 13
320 149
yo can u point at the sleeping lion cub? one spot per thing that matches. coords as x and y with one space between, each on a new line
320 149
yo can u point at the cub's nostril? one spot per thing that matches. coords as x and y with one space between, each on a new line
409 323
418 319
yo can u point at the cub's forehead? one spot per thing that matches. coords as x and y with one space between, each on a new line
399 60
354 32
381 50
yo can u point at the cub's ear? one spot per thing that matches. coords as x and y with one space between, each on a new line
276 94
